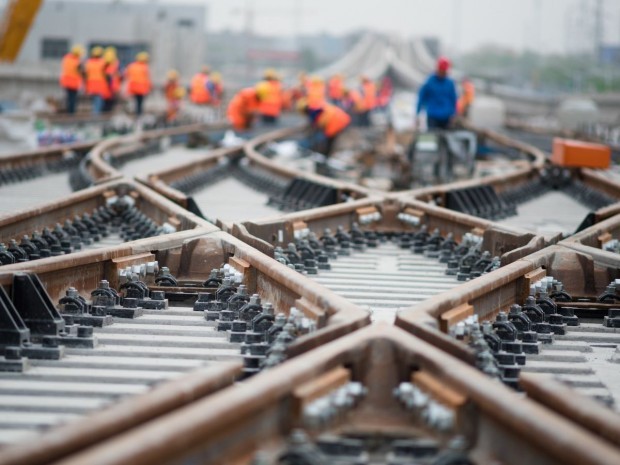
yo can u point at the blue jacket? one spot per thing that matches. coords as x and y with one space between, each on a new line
438 97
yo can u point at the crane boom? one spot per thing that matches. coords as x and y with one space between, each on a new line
16 22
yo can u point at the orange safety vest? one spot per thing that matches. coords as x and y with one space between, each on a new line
335 88
138 78
467 98
70 75
241 108
95 76
315 94
333 120
271 102
198 89
369 95
113 79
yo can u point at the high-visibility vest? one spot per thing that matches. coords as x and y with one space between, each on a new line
95 76
113 79
315 94
138 78
369 95
333 120
466 98
198 89
241 107
271 98
70 75
335 88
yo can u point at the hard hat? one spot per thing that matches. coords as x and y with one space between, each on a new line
109 54
316 79
443 64
216 77
204 69
96 51
172 74
77 50
262 88
270 73
142 56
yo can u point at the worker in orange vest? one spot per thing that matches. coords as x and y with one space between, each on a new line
335 89
138 78
369 100
328 123
351 102
270 96
242 108
96 85
113 79
201 87
174 93
465 101
315 92
71 76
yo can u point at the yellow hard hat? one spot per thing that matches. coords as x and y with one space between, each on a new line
96 51
77 50
262 88
216 77
109 54
270 73
172 74
316 79
142 56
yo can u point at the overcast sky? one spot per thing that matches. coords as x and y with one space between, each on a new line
547 25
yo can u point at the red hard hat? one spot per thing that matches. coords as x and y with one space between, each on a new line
443 64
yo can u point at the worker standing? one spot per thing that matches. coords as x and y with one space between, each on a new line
438 97
218 89
270 96
315 92
71 76
174 93
468 94
335 89
369 100
96 85
242 108
113 79
328 123
201 87
138 78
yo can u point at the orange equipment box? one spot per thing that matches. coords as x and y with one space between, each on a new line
567 152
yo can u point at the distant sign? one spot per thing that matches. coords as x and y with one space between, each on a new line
282 56
609 55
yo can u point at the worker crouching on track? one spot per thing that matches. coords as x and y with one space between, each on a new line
242 109
113 79
438 97
174 93
96 84
138 78
327 122
270 96
71 77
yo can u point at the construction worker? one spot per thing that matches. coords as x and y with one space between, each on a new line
96 85
113 78
369 100
335 89
328 123
218 89
138 78
242 108
438 97
315 92
174 93
468 94
201 87
270 96
71 76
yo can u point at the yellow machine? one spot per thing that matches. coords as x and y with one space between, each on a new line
16 22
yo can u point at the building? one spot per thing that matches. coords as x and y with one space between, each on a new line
174 34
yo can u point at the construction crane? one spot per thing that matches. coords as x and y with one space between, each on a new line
16 22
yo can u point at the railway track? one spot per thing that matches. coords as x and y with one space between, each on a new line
347 256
